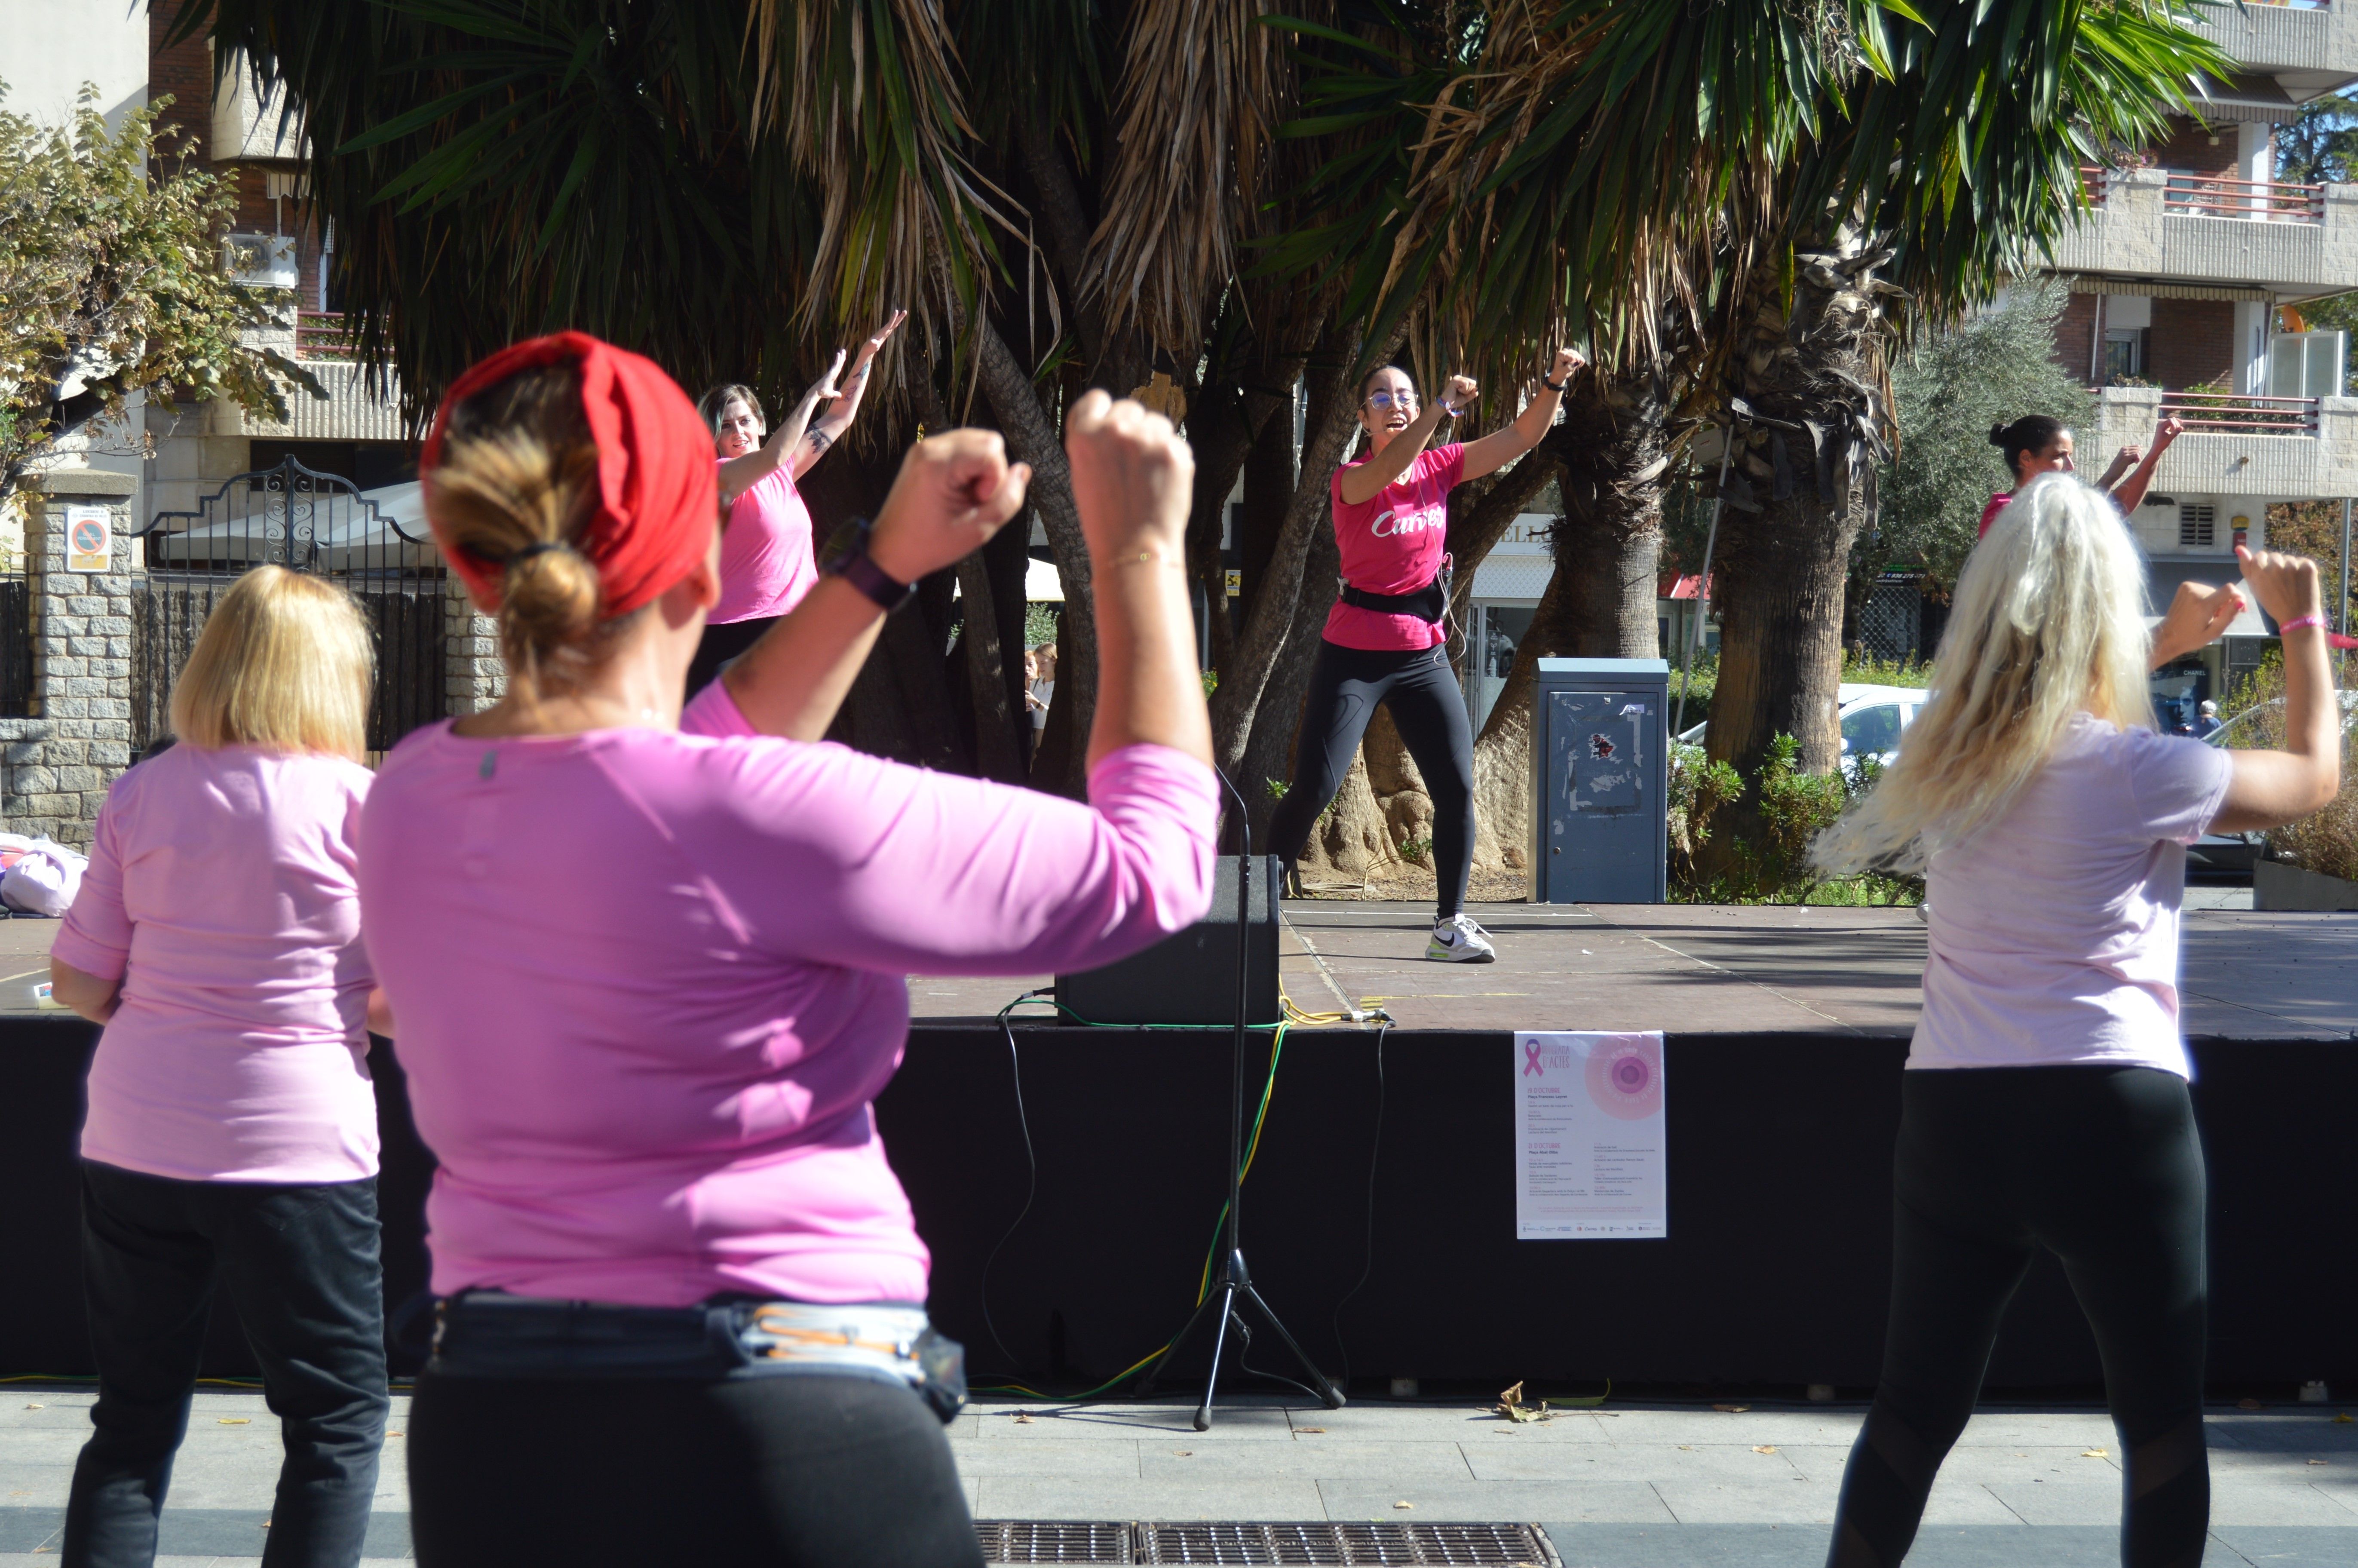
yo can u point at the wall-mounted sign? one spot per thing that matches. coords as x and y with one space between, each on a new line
90 539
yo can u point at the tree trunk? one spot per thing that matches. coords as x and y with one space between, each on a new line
1268 750
1061 766
1818 400
1270 621
1612 446
998 749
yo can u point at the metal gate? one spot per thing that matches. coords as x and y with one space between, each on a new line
291 516
1892 620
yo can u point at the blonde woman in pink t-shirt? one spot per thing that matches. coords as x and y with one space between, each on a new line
768 559
231 1141
1384 639
2045 1104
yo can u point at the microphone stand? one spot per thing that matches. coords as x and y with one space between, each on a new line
1235 1286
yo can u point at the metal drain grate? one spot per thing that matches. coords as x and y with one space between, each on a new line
1053 1541
1474 1545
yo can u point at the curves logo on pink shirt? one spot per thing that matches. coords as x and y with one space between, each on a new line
1389 522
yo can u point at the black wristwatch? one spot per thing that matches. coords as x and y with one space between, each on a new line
1556 387
847 558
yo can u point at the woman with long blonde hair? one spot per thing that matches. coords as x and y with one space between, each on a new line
231 1141
2045 1103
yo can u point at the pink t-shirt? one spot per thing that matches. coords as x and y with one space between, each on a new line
1996 505
1393 544
647 984
766 560
2054 931
220 891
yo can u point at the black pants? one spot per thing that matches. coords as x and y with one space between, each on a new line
2102 1166
721 644
718 1472
300 1263
1421 690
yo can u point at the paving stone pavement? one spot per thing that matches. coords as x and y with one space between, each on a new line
1634 1487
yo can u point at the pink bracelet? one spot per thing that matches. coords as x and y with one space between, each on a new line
2297 622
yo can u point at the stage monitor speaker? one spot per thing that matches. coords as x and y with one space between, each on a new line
1192 978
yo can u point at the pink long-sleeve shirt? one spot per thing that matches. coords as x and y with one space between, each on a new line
221 891
645 985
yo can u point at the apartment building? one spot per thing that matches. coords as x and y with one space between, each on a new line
2187 280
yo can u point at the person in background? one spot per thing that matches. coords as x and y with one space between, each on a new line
767 560
650 970
2045 1103
1040 683
2035 444
232 1141
2206 720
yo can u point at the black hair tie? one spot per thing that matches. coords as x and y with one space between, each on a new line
516 558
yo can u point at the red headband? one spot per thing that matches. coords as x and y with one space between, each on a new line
657 479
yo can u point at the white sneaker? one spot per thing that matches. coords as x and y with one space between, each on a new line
1457 940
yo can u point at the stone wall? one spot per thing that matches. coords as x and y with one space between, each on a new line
56 766
474 677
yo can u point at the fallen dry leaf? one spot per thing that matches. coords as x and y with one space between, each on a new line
2249 1405
1023 1420
2093 1454
1686 1448
1732 1409
2344 1418
1302 1431
1510 1405
1183 1454
36 1407
1404 1505
396 1434
2316 1461
234 1421
1764 1448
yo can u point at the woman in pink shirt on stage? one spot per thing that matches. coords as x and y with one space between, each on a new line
767 562
230 1141
1385 638
649 966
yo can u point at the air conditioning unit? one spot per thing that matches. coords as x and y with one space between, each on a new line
261 261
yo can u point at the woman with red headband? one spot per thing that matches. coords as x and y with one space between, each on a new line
647 966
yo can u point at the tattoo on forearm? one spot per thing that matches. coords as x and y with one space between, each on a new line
819 440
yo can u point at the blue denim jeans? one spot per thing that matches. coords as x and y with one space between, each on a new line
301 1265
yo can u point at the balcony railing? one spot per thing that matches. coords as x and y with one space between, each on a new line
323 335
2230 414
2267 201
2214 196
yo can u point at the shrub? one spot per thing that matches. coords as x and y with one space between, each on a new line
2326 843
1699 787
1794 808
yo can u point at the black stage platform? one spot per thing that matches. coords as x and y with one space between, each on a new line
1774 1273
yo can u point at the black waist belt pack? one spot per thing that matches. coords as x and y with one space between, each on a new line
1430 602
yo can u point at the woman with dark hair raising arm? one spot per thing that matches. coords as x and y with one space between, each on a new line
767 561
2036 444
1385 639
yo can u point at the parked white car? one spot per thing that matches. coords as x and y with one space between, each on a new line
1873 717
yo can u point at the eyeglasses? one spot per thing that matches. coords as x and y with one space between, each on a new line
1383 399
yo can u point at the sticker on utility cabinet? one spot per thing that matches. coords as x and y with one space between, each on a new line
1597 739
1591 1161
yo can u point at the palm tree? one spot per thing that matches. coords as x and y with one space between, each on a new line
1781 178
1062 196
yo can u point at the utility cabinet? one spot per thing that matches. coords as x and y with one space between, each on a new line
1600 756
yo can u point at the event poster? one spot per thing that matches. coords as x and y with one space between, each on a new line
1590 1157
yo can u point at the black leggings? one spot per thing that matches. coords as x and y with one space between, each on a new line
2101 1165
774 1471
1421 690
721 644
